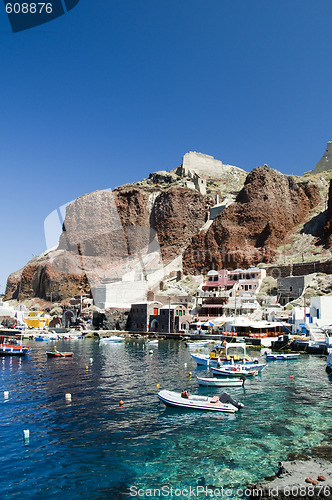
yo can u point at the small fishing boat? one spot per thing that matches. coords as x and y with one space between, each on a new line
42 338
58 354
11 346
198 344
221 382
227 353
281 357
194 402
235 371
113 338
152 342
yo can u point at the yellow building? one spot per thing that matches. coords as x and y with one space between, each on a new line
36 319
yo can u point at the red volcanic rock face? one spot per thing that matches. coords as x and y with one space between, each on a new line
103 231
268 207
92 227
55 276
328 224
177 215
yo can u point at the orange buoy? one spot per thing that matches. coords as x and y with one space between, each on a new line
291 377
86 367
121 403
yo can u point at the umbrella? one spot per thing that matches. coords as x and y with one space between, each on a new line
208 323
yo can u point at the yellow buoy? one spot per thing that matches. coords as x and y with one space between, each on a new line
158 385
86 367
190 374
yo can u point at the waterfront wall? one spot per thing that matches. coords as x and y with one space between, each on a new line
299 269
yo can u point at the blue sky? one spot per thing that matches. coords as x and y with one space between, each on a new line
115 90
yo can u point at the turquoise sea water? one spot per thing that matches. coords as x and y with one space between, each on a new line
91 448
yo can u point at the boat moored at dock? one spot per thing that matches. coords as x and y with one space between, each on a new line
12 346
227 353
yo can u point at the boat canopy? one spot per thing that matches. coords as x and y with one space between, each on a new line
236 345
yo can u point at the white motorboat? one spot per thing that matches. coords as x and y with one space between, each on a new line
221 382
198 344
113 338
195 402
152 342
235 371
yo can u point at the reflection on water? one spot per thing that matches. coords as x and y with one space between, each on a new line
93 448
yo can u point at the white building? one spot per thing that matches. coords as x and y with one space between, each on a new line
8 311
298 320
321 311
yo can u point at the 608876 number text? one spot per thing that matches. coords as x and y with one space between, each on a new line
29 8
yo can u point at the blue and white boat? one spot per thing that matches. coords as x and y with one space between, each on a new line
281 357
224 354
42 338
236 371
221 382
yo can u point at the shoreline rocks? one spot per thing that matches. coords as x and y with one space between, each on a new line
295 479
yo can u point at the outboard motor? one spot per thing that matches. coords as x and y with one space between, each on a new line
227 398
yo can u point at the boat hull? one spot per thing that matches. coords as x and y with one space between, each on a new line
174 400
111 339
221 382
281 357
235 372
59 354
14 353
14 350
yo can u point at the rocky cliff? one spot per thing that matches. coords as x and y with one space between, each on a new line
268 207
104 232
328 224
53 276
325 163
